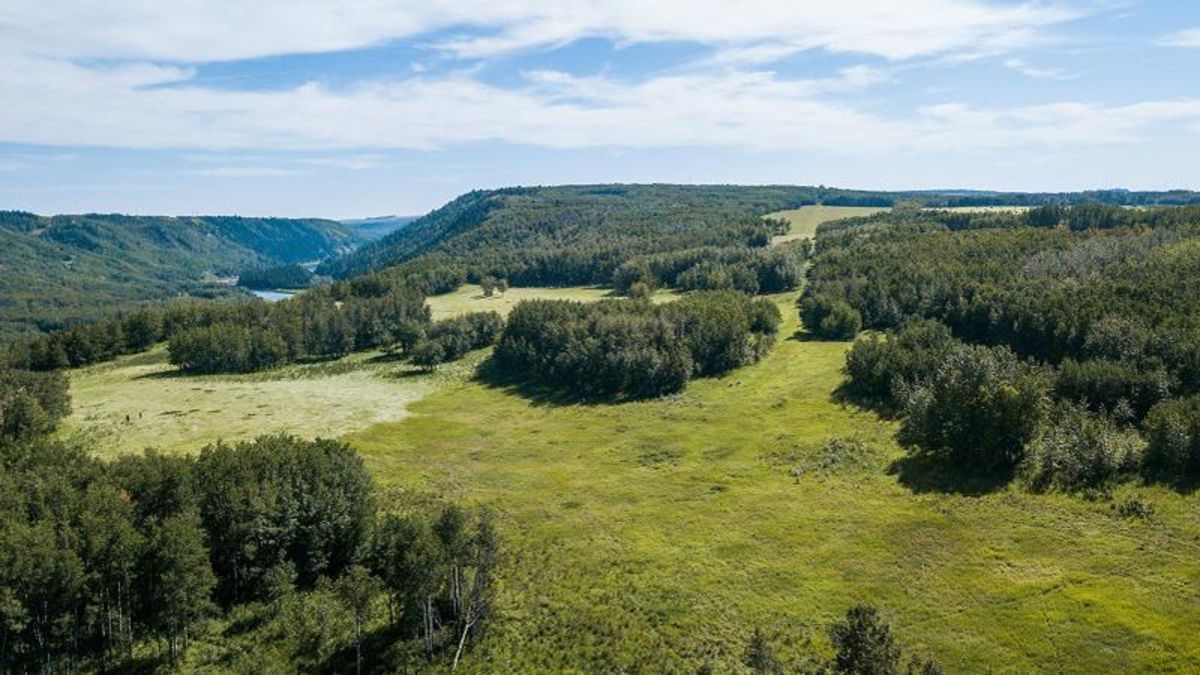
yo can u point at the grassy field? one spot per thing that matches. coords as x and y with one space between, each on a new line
470 298
804 220
654 536
140 401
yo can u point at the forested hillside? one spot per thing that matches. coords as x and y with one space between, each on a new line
61 269
567 235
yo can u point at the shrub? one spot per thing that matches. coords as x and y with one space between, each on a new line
1173 433
830 319
1079 450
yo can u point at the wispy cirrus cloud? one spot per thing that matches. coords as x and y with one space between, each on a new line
228 29
1189 38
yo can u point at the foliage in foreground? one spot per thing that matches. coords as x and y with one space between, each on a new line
863 644
102 562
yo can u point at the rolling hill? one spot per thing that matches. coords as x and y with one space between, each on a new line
578 234
60 269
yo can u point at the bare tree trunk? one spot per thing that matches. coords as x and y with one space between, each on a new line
461 642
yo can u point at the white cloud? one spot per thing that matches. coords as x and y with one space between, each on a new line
724 108
1021 66
120 73
1184 38
195 31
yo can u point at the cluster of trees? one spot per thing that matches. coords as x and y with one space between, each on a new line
31 404
491 286
635 348
101 562
279 276
980 410
449 339
368 312
749 270
1089 310
315 324
863 644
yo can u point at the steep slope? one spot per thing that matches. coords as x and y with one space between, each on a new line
54 270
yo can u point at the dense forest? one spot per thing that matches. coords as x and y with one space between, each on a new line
62 270
1062 344
291 276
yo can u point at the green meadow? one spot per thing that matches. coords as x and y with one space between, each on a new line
803 221
141 401
657 535
470 298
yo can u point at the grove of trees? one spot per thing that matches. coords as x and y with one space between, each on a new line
1042 343
634 348
104 563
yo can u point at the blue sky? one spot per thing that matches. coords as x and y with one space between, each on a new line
348 109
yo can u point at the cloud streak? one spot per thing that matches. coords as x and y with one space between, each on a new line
1185 38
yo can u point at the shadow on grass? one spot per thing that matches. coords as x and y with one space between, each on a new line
490 374
1184 485
387 649
923 473
844 396
802 335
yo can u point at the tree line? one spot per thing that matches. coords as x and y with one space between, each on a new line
1060 344
279 276
104 563
635 348
364 313
749 270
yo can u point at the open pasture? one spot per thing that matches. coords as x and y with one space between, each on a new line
804 220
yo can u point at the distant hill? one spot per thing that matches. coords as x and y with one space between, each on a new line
370 229
578 233
60 269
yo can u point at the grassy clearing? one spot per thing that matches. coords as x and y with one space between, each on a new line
654 536
140 401
470 298
804 220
